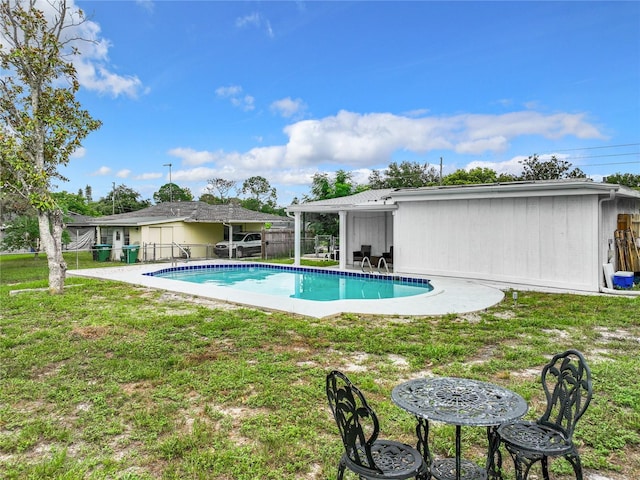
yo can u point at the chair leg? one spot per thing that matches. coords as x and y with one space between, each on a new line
521 464
574 460
545 468
341 468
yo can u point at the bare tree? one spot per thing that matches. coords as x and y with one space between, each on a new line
222 187
41 122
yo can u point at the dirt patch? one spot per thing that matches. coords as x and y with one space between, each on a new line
90 332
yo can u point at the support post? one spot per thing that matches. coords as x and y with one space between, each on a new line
342 214
297 225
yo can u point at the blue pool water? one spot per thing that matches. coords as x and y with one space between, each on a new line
299 282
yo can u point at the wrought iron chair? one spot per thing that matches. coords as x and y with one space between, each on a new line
365 454
365 251
566 381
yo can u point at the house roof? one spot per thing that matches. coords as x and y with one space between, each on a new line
188 212
369 199
386 199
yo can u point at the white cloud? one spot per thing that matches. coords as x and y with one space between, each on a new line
101 172
98 78
361 142
230 91
190 156
367 139
236 97
419 112
79 152
255 20
124 173
147 5
252 19
512 166
149 176
287 107
92 65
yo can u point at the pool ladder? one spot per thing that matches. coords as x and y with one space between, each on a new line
382 261
174 260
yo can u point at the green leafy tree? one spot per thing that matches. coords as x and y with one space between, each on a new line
171 192
404 175
22 233
41 122
324 187
473 176
262 197
210 199
121 199
13 205
627 179
533 168
75 203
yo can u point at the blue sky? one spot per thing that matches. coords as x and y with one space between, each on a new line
288 89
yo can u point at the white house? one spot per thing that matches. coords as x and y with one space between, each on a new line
554 234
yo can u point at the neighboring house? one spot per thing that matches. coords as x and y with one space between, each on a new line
555 234
171 229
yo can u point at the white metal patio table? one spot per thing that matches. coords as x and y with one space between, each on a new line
459 402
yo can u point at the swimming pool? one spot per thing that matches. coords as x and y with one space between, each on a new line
449 295
299 282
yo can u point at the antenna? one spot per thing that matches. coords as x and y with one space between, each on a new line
170 183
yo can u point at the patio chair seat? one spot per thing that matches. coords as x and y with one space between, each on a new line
393 460
533 438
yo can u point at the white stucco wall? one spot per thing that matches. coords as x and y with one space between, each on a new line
369 228
544 241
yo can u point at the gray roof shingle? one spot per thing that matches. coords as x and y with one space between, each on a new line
188 212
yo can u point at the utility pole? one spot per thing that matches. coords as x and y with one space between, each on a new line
440 170
170 183
113 199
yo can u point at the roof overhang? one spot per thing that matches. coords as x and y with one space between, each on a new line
513 190
369 200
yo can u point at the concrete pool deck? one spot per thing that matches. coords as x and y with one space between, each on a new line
449 295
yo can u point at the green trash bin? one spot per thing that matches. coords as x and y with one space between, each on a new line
130 253
103 252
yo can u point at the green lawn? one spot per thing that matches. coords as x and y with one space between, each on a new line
110 381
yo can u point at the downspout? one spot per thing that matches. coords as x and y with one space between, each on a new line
612 196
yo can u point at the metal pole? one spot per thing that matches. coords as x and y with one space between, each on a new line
170 182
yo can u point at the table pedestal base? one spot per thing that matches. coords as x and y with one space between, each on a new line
445 469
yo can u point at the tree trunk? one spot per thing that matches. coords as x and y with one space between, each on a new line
51 227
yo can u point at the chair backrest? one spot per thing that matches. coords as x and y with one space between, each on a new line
366 250
566 380
357 422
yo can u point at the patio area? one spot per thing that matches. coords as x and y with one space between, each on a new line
448 296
